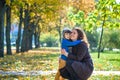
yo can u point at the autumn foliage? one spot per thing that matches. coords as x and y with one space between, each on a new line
84 5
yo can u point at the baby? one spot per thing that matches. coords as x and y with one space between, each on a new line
66 44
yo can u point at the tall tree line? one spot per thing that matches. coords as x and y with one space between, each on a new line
28 31
34 12
34 16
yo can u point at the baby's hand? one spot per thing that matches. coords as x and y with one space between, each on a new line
63 51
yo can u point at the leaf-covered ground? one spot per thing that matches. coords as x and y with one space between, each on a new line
48 60
34 60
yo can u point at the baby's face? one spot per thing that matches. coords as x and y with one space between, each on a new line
67 35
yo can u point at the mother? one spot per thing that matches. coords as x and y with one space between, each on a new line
79 65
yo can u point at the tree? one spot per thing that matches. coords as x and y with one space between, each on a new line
8 28
18 7
106 13
111 39
43 9
25 38
93 39
18 40
77 18
2 13
114 39
86 6
37 32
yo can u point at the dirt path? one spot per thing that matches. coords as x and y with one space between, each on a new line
36 73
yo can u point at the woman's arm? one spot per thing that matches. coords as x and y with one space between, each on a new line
81 51
66 42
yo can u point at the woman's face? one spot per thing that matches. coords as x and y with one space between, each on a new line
74 35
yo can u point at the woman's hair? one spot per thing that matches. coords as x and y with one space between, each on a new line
82 36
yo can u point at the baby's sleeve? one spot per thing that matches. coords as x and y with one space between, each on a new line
66 42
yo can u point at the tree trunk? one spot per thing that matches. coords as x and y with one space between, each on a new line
59 31
37 42
8 28
37 37
99 48
31 31
30 41
19 32
2 12
37 33
25 37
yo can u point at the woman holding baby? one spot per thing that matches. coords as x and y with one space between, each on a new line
79 65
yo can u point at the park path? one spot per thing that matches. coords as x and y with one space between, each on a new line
36 73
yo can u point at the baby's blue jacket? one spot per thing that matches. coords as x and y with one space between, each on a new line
67 43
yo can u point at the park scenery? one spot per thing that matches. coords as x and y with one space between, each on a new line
31 33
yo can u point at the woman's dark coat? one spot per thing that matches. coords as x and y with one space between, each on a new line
79 65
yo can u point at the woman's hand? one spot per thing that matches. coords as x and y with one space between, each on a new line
63 51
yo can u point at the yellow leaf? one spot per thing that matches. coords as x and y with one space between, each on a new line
8 2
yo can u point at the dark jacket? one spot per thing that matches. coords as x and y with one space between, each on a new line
79 65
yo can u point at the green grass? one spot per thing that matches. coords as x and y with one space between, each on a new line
102 77
107 61
49 61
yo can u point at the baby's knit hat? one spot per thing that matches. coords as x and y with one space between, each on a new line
66 30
